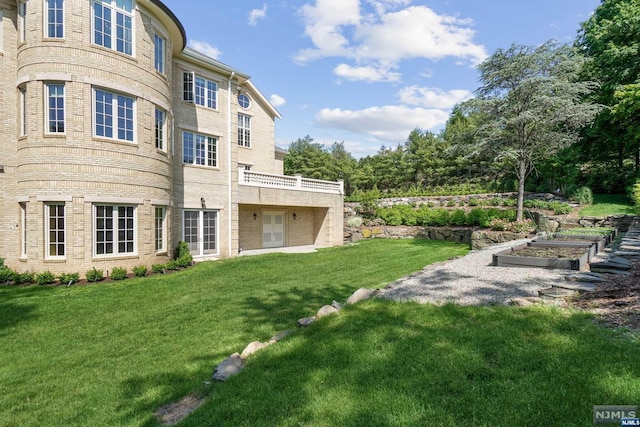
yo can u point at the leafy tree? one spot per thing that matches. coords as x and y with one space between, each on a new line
609 40
532 106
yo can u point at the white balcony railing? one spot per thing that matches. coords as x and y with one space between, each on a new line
259 179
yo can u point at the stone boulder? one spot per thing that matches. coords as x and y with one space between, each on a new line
361 295
252 348
229 367
325 311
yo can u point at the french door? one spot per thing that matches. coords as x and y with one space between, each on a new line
273 229
200 231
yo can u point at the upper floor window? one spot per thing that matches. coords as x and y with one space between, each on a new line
113 24
55 230
244 101
113 111
54 19
244 130
159 129
200 91
55 108
22 21
158 53
199 149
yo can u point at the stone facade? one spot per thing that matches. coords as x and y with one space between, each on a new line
106 159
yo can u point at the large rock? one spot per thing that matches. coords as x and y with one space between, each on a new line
325 311
306 321
228 367
361 295
252 348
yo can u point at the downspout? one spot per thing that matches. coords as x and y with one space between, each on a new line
230 225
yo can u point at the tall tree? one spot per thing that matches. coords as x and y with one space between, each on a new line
609 40
308 159
532 105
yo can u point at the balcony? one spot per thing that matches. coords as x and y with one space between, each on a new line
285 182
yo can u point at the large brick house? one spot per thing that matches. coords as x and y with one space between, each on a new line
117 142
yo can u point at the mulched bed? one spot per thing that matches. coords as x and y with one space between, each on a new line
616 301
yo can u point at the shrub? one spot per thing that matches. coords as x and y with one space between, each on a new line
183 256
451 203
355 221
509 202
582 195
69 278
477 216
458 217
498 224
173 265
94 275
140 270
524 226
118 273
560 208
23 278
635 196
45 278
496 201
474 202
158 268
6 274
440 217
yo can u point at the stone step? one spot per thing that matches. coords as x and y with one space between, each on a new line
596 266
576 286
585 277
627 254
620 260
554 292
596 269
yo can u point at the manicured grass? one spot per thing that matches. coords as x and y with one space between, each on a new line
112 353
381 363
609 204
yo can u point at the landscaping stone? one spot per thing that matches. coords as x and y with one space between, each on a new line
280 336
521 302
175 412
306 321
337 305
229 367
361 295
252 348
325 311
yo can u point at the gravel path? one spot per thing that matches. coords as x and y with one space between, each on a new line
472 280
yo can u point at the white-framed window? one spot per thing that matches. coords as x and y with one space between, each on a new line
54 19
160 229
158 53
55 241
23 230
160 119
244 130
199 149
113 24
114 115
114 230
199 229
199 90
22 21
244 101
23 110
54 108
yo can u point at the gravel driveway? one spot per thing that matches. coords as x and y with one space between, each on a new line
472 280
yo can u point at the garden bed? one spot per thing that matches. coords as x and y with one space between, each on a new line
525 255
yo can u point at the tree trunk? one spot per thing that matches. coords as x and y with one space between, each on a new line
522 175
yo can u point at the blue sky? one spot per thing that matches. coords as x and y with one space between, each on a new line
367 72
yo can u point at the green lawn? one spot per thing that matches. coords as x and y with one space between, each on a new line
112 353
609 204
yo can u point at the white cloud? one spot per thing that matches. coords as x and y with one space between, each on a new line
368 74
205 48
277 100
390 124
256 14
341 28
433 97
